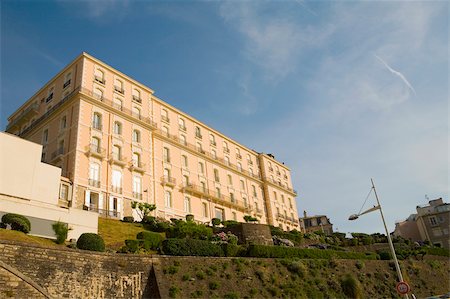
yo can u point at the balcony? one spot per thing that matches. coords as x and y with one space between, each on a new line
23 117
137 166
198 135
182 128
137 99
97 126
118 160
95 151
168 181
99 79
137 195
213 143
63 203
116 189
58 154
165 119
119 89
67 83
94 183
226 150
104 213
238 156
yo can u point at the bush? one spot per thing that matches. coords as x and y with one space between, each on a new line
437 251
230 223
91 241
216 221
232 250
213 285
129 219
384 255
61 230
351 287
17 222
191 247
2 225
133 245
189 217
291 252
182 229
151 240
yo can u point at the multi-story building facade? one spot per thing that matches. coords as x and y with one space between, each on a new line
117 142
431 223
309 224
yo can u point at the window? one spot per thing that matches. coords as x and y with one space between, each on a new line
239 166
251 171
165 131
137 187
166 154
270 166
166 173
136 136
61 147
98 93
249 160
230 179
99 76
137 96
218 195
118 103
116 181
50 94
183 139
199 147
225 147
227 160
94 174
67 79
220 214
198 133
117 128
212 140
433 221
242 185
216 175
232 197
275 196
168 199
205 209
181 124
97 121
187 204
184 161
118 86
63 123
245 201
201 168
203 184
254 191
45 136
238 154
136 112
214 154
290 203
164 115
136 159
185 180
278 170
117 152
95 144
282 198
63 192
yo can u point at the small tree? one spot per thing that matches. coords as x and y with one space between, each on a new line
61 230
142 208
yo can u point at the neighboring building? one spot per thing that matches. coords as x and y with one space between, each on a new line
37 190
117 142
309 224
431 223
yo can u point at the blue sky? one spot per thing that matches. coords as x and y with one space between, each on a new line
339 91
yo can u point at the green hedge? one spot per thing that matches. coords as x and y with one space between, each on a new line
191 247
91 241
290 252
232 250
437 251
151 240
17 222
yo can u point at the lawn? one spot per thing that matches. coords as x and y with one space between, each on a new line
12 235
115 232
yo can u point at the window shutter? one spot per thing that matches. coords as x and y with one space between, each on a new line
87 198
100 200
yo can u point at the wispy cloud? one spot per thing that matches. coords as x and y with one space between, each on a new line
397 73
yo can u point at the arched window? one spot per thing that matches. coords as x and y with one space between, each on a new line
118 86
198 133
166 173
136 112
199 147
239 166
166 154
183 139
185 180
165 131
137 95
216 175
117 152
94 172
116 181
225 147
95 144
164 115
282 198
227 160
117 128
98 93
230 179
187 204
99 76
97 121
242 185
212 140
184 161
136 136
136 158
201 168
181 124
238 153
118 104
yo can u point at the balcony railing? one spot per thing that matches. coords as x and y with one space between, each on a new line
226 150
116 189
169 181
121 161
137 166
137 99
26 114
198 135
213 143
165 118
67 83
56 155
182 128
97 126
99 79
95 151
119 89
104 213
281 185
63 203
94 183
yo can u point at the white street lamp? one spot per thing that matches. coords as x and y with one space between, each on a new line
391 246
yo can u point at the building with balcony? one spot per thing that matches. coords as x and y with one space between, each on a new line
37 190
430 223
309 224
118 142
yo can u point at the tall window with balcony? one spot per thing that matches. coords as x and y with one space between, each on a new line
254 191
168 199
137 96
95 145
218 194
136 160
232 199
117 153
136 112
116 181
97 121
94 175
166 155
216 175
225 147
203 185
199 147
239 166
137 187
136 136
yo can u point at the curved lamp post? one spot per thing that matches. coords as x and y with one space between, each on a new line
391 246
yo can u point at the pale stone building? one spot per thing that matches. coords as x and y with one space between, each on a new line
309 224
118 142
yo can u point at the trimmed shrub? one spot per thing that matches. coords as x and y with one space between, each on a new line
61 230
189 217
129 219
216 221
182 229
132 245
351 287
231 250
17 222
230 223
191 247
151 240
91 241
292 252
438 251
